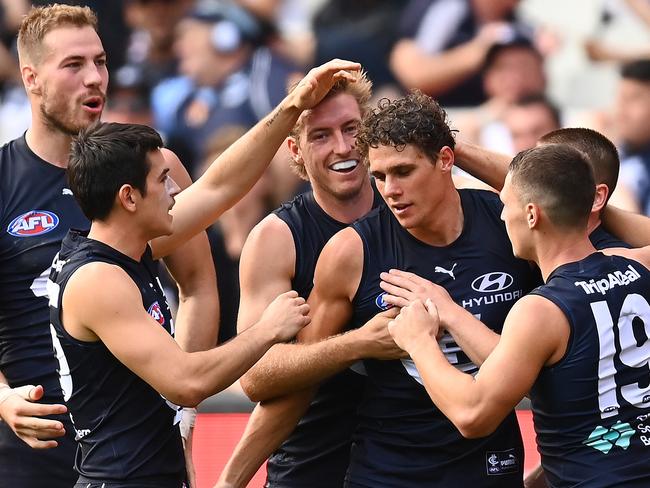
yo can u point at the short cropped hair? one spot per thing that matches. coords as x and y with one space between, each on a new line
600 151
104 157
39 21
416 119
559 179
361 90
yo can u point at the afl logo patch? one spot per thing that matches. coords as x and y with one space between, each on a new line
156 313
492 282
33 223
379 301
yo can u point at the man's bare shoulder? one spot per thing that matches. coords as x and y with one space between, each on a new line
345 247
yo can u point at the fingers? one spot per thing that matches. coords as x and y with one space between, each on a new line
397 278
390 313
290 294
304 309
40 409
396 301
38 444
337 66
30 392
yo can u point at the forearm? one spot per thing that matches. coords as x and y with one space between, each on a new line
470 334
630 227
205 373
436 73
452 391
241 165
286 368
198 321
488 166
197 318
268 426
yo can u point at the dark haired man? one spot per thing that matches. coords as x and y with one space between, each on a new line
492 167
63 66
577 343
121 180
455 238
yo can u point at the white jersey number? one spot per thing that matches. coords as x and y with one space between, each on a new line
632 353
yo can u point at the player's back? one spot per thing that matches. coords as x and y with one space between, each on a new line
592 408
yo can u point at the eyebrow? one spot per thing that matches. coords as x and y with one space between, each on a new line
79 57
164 173
347 122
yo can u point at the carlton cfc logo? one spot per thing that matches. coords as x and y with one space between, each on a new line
156 313
33 223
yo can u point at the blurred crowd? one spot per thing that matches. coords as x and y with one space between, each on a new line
203 71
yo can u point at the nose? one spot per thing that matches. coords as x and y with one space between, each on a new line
94 75
343 143
391 187
172 188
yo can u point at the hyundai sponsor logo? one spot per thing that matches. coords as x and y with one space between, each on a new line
492 282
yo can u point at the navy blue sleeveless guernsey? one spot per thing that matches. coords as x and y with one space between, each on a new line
317 453
601 239
592 408
127 432
36 211
403 440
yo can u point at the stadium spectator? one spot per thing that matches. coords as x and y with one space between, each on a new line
632 116
444 44
228 77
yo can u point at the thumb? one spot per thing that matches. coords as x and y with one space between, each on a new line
29 392
431 308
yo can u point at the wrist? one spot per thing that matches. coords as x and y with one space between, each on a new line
355 346
421 346
451 315
5 392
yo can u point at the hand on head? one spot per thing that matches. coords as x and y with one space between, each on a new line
318 82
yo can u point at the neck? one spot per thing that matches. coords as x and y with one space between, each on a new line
559 246
120 237
445 223
349 210
593 222
49 144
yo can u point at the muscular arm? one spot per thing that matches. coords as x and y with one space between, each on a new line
197 319
630 227
273 420
535 334
286 368
439 72
237 169
270 423
488 166
138 341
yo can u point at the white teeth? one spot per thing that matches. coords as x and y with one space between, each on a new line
341 165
